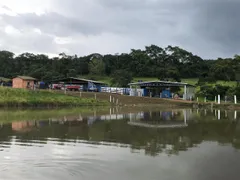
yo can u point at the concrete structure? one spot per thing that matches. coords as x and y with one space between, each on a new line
161 89
24 82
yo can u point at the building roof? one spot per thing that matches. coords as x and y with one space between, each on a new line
26 78
159 84
77 80
5 79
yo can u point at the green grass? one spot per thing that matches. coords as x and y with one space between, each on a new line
21 97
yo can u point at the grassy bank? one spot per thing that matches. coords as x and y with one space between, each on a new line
10 97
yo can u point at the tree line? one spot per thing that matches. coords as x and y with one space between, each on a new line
152 61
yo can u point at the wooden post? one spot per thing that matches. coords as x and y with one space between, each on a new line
205 99
110 98
197 99
80 94
95 96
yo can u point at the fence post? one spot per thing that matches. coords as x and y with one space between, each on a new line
80 94
197 99
235 99
219 99
205 99
110 98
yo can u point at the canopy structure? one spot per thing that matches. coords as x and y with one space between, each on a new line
188 88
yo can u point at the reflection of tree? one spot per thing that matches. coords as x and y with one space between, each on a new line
153 141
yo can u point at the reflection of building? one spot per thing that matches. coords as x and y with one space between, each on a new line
23 126
162 119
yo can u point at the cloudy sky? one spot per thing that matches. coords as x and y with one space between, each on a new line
208 28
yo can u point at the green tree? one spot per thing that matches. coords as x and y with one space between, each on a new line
96 66
121 78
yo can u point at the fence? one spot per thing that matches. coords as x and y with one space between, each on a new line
219 99
116 90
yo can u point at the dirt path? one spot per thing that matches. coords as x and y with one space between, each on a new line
132 100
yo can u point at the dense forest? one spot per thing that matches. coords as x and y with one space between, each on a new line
153 61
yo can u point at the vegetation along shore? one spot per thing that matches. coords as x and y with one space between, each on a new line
10 97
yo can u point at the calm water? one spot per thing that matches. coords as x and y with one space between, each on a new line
166 145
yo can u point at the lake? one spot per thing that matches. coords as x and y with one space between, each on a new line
119 144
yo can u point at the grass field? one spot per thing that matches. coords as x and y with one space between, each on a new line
21 97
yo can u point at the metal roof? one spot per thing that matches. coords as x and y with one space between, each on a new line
78 79
159 83
5 79
26 78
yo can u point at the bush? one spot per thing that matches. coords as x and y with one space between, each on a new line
211 91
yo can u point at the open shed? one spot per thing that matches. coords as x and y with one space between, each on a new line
87 84
5 81
161 89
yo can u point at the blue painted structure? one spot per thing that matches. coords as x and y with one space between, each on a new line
145 92
166 94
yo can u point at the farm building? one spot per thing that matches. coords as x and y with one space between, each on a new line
5 81
24 82
162 89
72 83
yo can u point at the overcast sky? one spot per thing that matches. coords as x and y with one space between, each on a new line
208 28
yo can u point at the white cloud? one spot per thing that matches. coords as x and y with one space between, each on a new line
10 30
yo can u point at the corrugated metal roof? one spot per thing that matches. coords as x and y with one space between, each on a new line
78 79
5 79
160 83
26 78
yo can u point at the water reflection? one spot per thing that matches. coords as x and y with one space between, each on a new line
171 144
154 132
